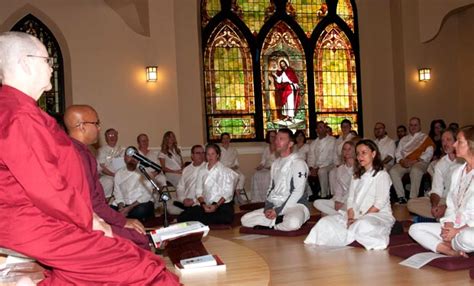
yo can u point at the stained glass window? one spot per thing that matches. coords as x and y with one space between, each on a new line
52 101
335 73
307 13
254 12
283 74
229 84
209 8
260 82
344 10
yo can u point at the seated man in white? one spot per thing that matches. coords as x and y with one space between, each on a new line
132 191
413 154
368 219
109 160
385 144
434 206
261 178
286 207
453 234
215 185
340 184
230 159
321 158
143 148
186 189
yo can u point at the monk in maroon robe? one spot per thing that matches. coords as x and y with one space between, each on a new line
45 206
83 125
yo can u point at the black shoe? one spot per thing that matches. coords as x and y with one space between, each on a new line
402 201
279 219
262 227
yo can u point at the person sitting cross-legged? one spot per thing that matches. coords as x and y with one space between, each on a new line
286 207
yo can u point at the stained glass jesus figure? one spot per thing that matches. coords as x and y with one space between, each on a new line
287 90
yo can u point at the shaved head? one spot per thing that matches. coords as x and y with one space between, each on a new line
13 46
82 123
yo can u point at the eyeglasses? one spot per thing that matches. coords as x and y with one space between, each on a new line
96 123
49 60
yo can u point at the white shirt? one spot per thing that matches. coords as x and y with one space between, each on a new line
217 183
172 162
107 156
131 186
229 157
368 191
267 158
409 143
303 151
321 152
460 200
344 176
443 172
288 181
153 156
186 188
338 147
386 147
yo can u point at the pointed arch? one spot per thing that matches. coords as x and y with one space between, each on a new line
344 10
308 13
229 92
335 78
283 96
53 101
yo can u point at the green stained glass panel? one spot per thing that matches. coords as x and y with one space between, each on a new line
335 72
242 127
209 8
308 13
344 10
254 13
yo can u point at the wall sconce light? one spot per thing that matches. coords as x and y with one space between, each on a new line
151 73
424 74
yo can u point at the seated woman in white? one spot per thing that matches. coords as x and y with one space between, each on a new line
230 159
215 185
340 183
170 158
453 234
368 219
301 147
261 178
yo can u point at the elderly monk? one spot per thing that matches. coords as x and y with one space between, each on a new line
45 205
83 125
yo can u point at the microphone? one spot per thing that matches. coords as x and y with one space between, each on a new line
133 152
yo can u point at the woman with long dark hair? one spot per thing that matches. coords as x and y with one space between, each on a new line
368 219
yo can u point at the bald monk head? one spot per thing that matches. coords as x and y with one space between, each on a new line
82 123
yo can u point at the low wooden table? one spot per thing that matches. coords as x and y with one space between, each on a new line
244 266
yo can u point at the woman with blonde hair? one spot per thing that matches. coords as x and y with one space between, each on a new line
170 158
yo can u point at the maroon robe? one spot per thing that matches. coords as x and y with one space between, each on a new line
45 207
99 204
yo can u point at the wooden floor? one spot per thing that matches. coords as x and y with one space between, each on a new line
293 263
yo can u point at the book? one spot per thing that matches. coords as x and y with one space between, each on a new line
177 230
220 266
199 261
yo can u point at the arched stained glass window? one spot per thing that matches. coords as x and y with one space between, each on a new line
254 13
276 76
209 8
335 77
229 84
283 74
52 101
344 10
307 13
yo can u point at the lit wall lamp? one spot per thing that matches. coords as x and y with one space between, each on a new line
424 74
151 73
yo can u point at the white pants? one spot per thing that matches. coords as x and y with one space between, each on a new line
416 173
107 183
260 184
327 206
293 218
323 176
371 230
428 235
240 180
173 178
422 206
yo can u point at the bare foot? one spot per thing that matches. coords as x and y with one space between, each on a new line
445 248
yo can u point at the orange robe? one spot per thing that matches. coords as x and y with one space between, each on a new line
45 207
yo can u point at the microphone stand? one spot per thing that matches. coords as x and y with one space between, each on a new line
164 197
